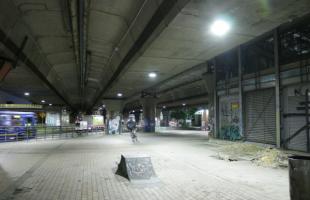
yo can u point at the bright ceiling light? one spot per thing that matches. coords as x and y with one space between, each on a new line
50 104
183 104
152 75
219 27
26 93
42 101
119 94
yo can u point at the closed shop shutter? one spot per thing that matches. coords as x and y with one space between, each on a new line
293 123
260 119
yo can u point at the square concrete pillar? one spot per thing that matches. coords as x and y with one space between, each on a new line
149 113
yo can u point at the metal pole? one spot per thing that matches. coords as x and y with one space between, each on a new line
277 87
216 106
5 132
240 90
307 119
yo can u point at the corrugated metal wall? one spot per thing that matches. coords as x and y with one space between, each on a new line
291 124
260 118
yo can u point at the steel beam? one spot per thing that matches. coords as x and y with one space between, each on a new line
22 46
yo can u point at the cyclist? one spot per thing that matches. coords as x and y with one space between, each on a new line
132 127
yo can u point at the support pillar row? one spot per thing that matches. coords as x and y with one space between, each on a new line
149 107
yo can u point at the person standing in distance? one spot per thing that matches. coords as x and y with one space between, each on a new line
132 127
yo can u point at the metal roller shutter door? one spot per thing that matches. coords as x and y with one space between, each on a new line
260 122
292 124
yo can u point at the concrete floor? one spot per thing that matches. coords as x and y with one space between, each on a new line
83 168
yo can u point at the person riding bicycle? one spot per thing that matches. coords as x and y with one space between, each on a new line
132 126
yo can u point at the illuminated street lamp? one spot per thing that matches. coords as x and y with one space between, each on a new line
152 75
220 27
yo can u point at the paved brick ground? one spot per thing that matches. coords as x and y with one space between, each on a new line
83 168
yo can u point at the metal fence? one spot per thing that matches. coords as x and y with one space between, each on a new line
19 133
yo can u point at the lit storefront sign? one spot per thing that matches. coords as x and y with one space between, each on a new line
33 106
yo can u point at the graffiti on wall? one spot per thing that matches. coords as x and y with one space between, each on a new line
230 118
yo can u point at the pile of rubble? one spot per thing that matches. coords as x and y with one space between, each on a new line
260 155
271 157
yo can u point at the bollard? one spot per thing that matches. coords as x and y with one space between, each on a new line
299 175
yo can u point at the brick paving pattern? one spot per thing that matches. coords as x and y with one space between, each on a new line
83 168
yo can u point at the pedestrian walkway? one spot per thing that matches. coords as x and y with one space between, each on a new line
83 168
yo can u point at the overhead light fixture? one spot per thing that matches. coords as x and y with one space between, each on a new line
26 93
42 101
219 27
119 94
183 104
50 104
152 75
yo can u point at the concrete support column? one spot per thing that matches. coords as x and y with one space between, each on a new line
210 84
149 106
113 116
277 87
157 114
165 117
216 130
204 120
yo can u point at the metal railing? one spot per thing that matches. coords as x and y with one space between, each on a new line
20 133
